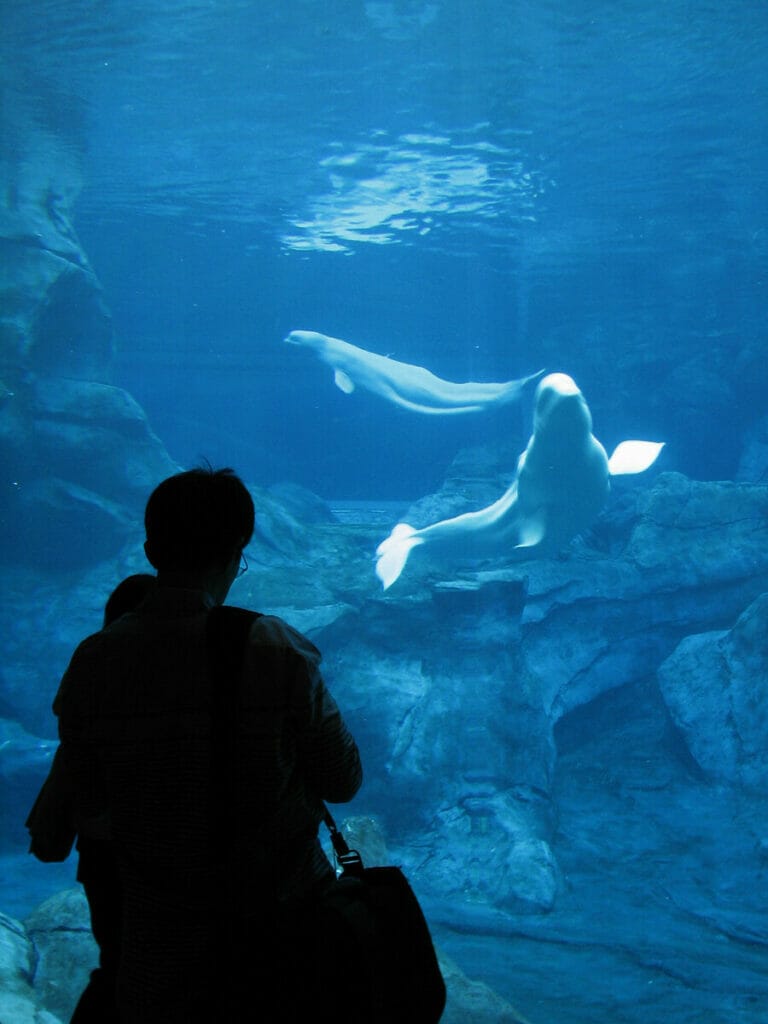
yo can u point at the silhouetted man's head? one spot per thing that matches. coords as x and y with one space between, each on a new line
197 520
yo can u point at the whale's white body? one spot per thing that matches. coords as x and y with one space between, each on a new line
561 483
411 387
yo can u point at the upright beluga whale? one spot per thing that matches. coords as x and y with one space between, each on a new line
561 483
411 387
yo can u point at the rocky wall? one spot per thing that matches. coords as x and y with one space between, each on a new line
455 683
78 454
714 685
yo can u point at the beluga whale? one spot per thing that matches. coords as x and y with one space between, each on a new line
561 483
411 387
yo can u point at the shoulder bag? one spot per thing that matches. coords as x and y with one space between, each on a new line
374 945
374 958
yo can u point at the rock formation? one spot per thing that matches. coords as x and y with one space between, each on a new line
714 685
456 684
75 450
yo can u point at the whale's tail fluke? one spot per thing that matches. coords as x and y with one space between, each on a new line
511 391
392 553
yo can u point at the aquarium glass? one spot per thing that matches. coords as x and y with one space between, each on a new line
415 270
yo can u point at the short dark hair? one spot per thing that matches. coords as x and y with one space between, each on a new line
197 519
128 595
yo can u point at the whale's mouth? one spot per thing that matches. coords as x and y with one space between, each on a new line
306 339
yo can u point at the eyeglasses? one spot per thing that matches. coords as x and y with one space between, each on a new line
243 565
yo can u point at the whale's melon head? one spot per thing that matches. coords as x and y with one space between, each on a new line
559 405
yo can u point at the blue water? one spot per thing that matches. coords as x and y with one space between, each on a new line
481 187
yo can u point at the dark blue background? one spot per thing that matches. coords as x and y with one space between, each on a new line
573 186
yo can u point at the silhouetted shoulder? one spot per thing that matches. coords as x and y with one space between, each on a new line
86 668
271 631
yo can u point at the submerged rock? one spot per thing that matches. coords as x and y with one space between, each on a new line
304 505
20 1003
474 1002
714 686
454 688
78 454
82 459
60 931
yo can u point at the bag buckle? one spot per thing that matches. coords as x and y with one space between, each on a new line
351 863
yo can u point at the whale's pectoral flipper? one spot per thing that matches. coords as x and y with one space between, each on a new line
633 457
392 553
531 531
342 381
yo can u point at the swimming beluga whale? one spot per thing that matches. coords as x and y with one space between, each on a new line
411 387
561 483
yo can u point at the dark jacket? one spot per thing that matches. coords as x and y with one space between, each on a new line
134 713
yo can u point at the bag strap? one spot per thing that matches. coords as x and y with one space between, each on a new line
226 633
350 860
